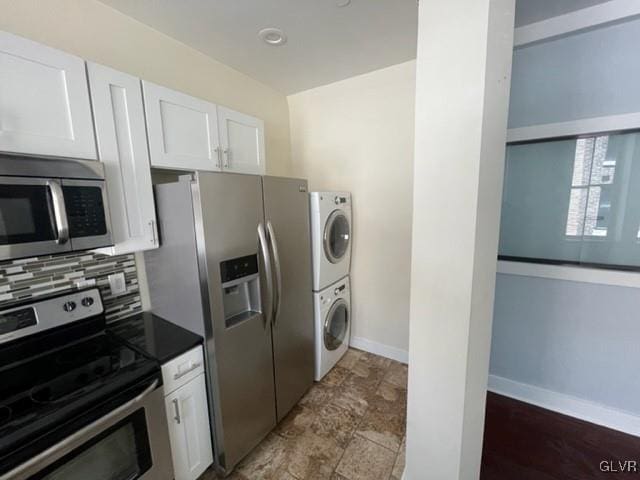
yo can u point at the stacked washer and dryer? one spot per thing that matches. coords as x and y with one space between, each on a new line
331 252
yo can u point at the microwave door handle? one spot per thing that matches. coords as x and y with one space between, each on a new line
59 211
45 458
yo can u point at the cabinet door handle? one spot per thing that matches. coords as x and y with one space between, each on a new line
154 234
217 150
193 366
227 154
176 409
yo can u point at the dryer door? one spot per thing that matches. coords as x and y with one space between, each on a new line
336 324
337 235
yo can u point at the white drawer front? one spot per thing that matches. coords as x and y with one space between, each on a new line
182 369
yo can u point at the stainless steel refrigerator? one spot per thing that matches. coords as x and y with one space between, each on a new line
235 266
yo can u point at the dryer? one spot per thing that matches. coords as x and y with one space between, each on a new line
332 310
330 237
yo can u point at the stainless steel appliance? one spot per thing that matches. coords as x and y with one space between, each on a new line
77 402
51 205
235 266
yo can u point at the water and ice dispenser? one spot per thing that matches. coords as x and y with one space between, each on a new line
240 289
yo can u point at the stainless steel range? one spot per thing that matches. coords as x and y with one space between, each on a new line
77 402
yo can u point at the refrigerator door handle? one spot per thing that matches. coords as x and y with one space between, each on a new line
273 243
262 240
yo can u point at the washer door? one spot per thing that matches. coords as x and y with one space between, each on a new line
337 236
336 324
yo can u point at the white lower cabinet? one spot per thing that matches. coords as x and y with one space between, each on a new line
188 418
122 148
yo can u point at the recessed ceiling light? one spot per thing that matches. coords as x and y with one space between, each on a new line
343 3
273 36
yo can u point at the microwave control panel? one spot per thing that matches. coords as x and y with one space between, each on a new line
85 210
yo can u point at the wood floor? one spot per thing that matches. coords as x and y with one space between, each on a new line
525 442
351 426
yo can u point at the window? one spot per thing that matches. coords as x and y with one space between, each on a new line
573 201
589 201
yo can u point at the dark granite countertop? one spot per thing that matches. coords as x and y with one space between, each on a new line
156 336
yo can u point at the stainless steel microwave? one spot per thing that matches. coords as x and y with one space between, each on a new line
51 205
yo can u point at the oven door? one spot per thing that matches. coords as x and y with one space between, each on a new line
131 442
33 218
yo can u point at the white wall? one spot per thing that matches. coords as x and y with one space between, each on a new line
568 345
96 32
583 75
357 135
581 338
462 94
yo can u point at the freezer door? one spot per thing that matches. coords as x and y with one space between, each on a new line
228 209
287 218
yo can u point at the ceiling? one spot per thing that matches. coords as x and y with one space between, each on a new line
530 11
326 43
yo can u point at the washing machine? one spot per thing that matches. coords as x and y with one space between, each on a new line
330 214
332 311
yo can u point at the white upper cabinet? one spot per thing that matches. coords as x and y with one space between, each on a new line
183 130
242 139
44 101
122 147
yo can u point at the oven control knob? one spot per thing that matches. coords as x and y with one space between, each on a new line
87 301
69 306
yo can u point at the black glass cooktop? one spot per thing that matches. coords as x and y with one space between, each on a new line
155 336
43 392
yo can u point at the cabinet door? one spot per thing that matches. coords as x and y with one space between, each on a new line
242 138
183 130
189 430
122 147
44 101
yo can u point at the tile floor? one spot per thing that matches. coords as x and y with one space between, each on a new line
349 426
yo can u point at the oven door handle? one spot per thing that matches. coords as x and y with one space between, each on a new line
31 466
59 211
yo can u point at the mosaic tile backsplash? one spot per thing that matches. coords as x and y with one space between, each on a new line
33 277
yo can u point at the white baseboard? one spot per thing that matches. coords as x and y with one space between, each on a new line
567 405
380 349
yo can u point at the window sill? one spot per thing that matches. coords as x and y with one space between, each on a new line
574 128
570 273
